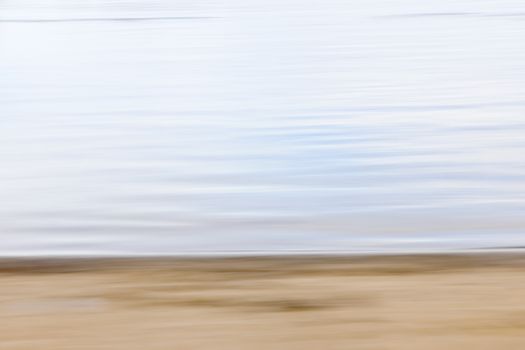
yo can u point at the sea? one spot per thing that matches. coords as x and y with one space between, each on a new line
172 127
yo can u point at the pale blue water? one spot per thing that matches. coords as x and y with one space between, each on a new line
166 126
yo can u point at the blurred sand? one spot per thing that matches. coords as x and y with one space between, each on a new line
374 302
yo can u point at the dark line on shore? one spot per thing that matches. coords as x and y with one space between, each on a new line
398 264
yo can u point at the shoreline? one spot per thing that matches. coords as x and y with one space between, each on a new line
483 257
257 253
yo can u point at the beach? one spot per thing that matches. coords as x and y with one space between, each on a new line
262 175
423 301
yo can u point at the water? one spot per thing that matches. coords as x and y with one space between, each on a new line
168 127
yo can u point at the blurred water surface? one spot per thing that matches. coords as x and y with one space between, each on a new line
174 126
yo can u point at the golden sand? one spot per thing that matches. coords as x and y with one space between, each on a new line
448 302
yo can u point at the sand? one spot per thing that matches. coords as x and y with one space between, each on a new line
460 301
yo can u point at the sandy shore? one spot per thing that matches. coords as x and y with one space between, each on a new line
374 302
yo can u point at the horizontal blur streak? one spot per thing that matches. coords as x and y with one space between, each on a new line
139 127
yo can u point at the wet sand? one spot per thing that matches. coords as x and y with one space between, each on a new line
368 302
